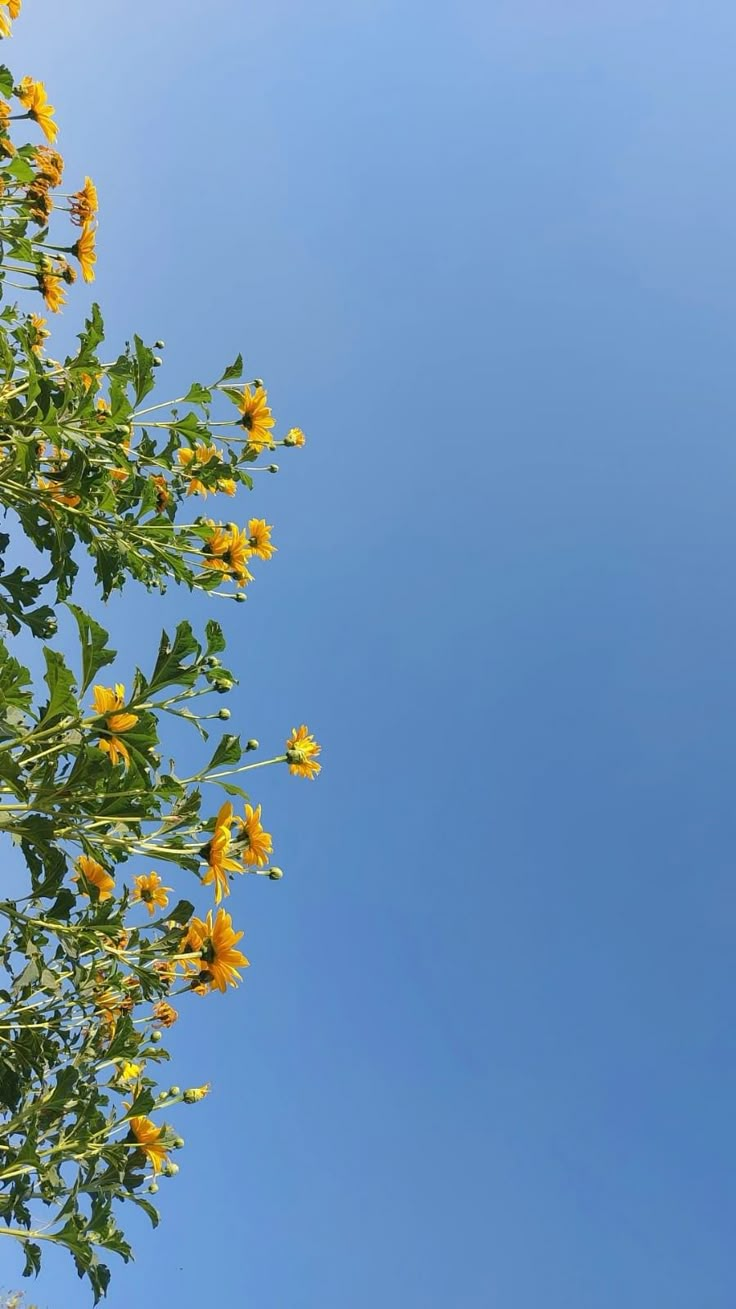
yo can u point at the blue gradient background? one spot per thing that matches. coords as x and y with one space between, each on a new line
484 254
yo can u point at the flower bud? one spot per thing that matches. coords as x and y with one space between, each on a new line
157 361
273 468
240 597
275 874
177 1143
258 381
159 345
221 686
153 1188
156 1035
252 744
174 1090
224 714
169 1170
195 1093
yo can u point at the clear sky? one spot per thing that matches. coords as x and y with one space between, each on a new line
483 253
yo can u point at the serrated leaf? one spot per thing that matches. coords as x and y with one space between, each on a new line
32 1254
62 690
170 668
93 640
215 638
142 369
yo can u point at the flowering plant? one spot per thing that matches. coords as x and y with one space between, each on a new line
95 962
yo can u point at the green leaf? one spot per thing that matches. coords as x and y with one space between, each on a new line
232 789
11 774
20 170
41 621
62 689
90 338
93 640
47 866
147 1208
215 638
22 248
99 1278
229 751
142 1104
234 371
6 82
197 394
14 681
181 913
142 370
32 1253
170 668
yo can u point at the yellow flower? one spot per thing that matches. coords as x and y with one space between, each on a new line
165 1014
257 844
49 163
257 419
57 494
40 203
108 700
259 538
301 753
84 250
32 96
40 332
5 28
108 1003
217 854
121 474
130 1072
148 1137
52 289
14 7
107 703
166 971
84 204
116 750
215 943
228 551
93 874
150 892
6 145
199 456
227 484
295 436
111 700
121 722
162 492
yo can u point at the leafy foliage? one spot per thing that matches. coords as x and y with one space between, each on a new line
91 956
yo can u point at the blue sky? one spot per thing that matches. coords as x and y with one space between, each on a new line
483 254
